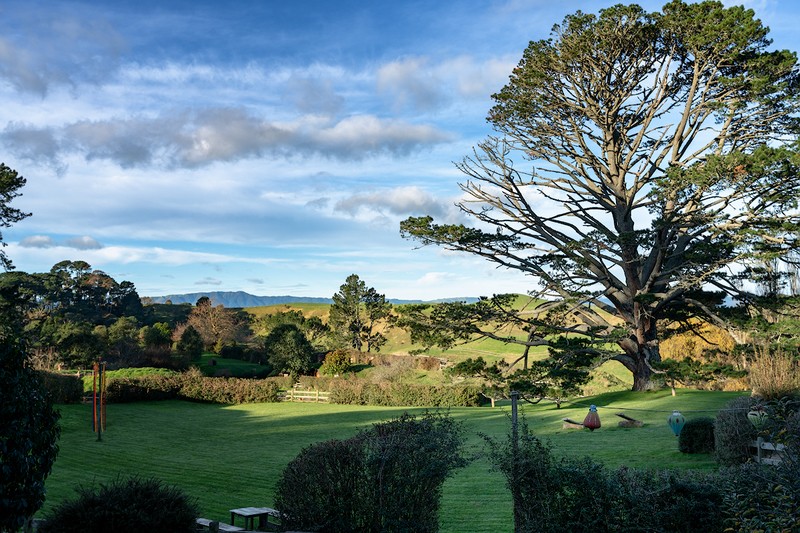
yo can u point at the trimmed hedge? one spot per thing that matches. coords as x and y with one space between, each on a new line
63 388
697 436
192 386
361 392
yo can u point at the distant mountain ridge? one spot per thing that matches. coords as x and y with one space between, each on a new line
244 299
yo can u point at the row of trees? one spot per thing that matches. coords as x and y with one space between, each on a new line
74 315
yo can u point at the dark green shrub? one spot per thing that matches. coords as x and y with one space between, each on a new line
762 497
198 388
667 500
62 388
580 495
385 479
29 427
697 436
143 388
324 487
129 505
733 432
192 386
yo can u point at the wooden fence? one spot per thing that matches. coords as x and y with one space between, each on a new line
766 452
298 394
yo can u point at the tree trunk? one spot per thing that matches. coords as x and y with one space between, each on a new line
640 353
642 377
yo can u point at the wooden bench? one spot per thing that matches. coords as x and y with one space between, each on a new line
205 523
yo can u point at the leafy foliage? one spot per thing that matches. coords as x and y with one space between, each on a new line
288 350
29 427
697 436
387 478
125 505
10 183
556 495
356 313
336 363
638 156
733 432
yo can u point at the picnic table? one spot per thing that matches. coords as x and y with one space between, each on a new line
251 513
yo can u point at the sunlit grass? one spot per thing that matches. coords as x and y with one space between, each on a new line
231 456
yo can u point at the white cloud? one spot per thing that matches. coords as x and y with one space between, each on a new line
197 138
83 243
37 241
400 201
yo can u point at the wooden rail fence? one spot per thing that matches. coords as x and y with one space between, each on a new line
305 395
766 452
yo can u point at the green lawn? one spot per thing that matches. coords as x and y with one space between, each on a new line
231 456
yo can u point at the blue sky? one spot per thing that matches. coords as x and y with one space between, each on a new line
270 147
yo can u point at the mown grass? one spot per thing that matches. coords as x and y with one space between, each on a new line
231 456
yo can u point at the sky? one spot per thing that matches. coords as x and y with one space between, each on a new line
262 146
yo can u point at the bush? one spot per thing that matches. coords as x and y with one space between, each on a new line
336 363
697 436
762 497
577 495
192 386
733 432
127 505
62 388
361 392
387 478
774 374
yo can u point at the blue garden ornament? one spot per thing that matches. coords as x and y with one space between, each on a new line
676 421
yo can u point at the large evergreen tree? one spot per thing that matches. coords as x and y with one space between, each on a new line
640 158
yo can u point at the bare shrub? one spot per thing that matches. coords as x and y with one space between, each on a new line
774 373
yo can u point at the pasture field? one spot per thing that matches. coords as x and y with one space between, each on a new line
231 456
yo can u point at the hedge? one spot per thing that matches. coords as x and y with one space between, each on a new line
360 392
63 388
192 386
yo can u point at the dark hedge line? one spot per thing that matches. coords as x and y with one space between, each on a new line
360 392
192 386
63 388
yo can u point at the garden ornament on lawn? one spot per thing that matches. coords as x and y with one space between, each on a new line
592 420
676 421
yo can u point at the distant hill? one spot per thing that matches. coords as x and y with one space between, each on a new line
244 299
235 299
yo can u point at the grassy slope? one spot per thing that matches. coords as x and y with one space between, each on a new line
231 456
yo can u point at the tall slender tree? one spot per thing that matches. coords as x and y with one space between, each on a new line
639 158
355 314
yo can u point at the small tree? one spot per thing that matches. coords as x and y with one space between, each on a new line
190 343
288 350
336 363
355 314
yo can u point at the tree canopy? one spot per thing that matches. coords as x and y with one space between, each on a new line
640 159
355 314
10 184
